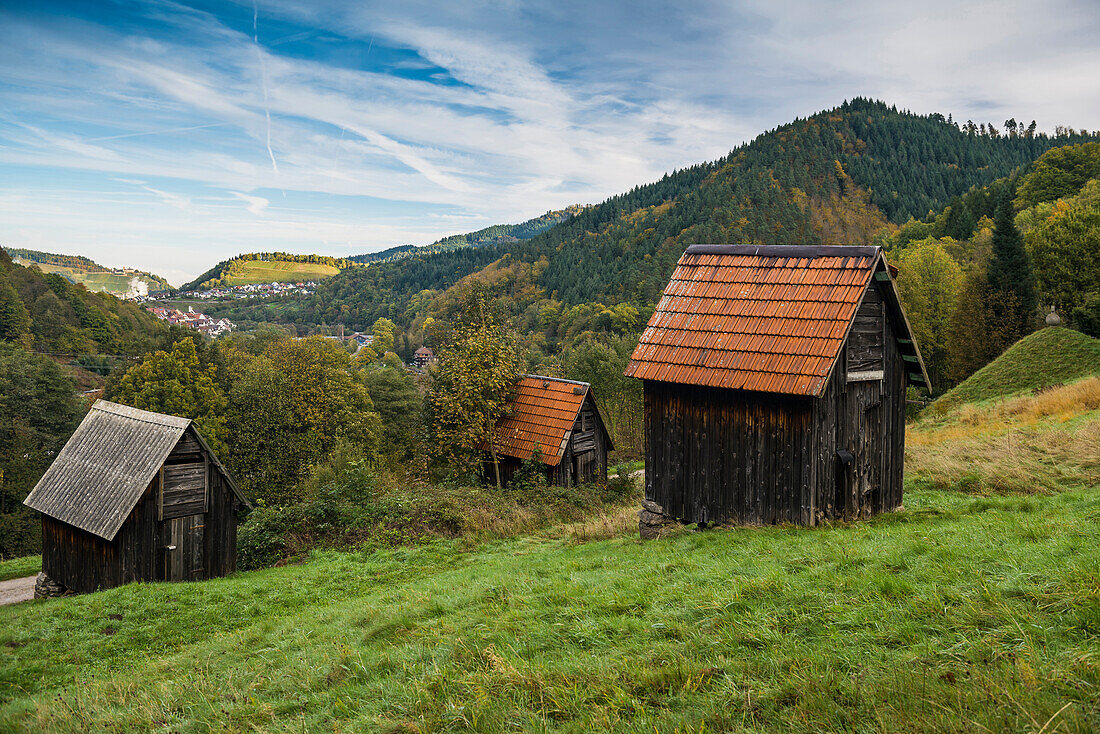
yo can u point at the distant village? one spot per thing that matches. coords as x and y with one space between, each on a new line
198 321
253 290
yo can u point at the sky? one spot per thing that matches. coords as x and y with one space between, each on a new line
170 135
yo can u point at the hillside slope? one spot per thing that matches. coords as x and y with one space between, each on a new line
92 275
48 313
1051 356
268 267
497 234
843 175
925 620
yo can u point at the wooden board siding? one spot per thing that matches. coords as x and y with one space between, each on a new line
864 349
220 534
866 419
716 455
182 549
85 562
184 489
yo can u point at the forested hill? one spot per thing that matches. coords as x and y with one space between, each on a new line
47 313
842 175
95 277
497 234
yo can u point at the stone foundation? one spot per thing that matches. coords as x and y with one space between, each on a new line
652 520
45 587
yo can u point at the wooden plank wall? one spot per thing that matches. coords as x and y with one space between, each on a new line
715 455
185 474
85 562
865 340
220 533
867 419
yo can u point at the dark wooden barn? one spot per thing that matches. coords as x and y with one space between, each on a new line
135 496
560 419
774 381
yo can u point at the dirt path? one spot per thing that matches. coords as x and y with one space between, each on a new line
17 590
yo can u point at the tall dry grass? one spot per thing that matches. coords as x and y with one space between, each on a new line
1032 443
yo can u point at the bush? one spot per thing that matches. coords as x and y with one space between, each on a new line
352 504
262 537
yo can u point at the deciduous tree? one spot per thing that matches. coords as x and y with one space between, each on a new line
479 365
177 383
39 410
1065 250
929 281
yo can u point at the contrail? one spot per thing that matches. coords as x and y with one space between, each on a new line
263 80
157 132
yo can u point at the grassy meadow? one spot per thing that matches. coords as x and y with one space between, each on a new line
18 568
960 613
976 609
259 271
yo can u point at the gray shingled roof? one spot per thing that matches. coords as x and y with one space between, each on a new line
101 473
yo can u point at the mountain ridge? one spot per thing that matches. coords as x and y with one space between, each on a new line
842 175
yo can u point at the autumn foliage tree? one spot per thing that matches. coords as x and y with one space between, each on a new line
176 383
1065 249
479 365
929 281
290 406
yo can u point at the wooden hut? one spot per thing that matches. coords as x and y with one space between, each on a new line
774 385
558 422
135 496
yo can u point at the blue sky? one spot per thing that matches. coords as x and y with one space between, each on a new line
170 135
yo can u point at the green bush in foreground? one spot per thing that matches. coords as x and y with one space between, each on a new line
354 505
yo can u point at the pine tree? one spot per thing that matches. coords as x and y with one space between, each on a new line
1009 267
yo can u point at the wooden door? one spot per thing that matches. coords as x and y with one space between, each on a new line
861 475
182 548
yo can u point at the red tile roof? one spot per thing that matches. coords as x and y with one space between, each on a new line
544 410
768 318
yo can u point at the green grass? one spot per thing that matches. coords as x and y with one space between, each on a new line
17 568
960 613
258 271
1051 356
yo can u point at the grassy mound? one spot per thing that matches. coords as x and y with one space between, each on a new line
1051 356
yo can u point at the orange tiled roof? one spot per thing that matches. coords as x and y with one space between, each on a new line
770 318
544 410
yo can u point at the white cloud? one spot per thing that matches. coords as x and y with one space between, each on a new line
256 204
176 200
534 106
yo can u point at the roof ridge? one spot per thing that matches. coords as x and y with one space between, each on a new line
558 379
799 251
127 411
